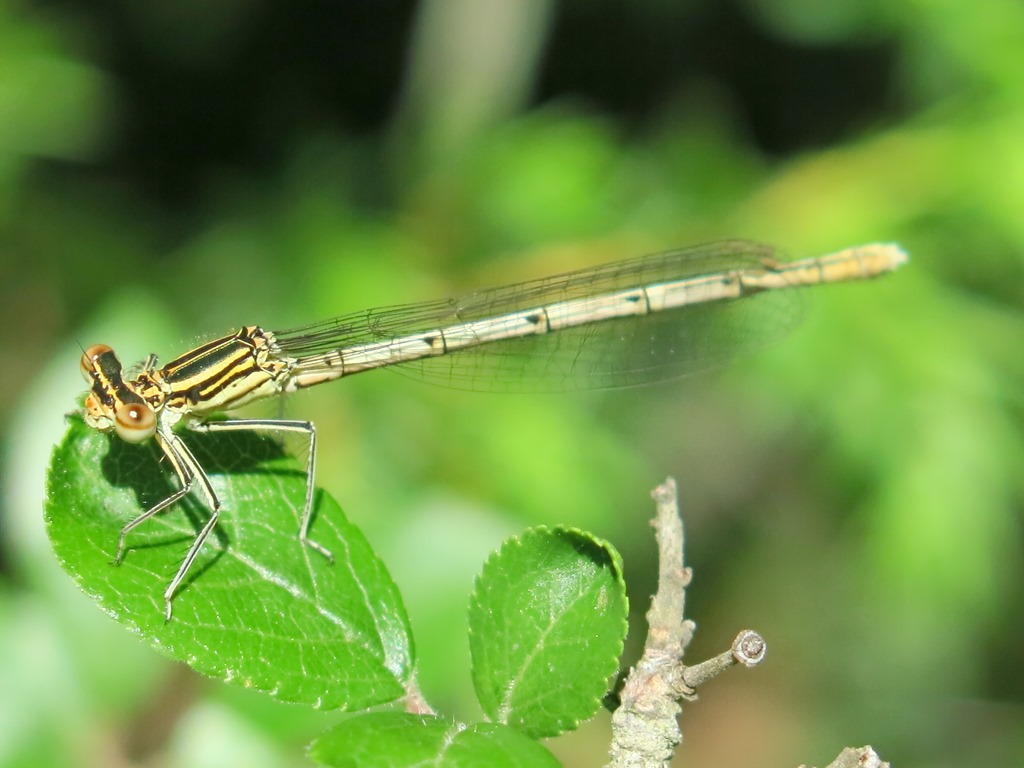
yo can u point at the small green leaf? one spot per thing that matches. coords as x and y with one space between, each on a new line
547 623
397 739
257 608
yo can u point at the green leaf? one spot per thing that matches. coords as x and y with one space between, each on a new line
547 623
257 608
395 739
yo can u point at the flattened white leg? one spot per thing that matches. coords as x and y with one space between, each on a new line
185 464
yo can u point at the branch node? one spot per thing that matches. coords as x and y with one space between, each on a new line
749 648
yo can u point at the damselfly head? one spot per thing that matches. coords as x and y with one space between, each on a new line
133 421
110 404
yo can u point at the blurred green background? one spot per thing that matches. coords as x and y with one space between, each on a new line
169 171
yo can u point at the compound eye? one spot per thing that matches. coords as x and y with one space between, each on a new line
135 422
88 362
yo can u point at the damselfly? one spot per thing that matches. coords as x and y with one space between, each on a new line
620 324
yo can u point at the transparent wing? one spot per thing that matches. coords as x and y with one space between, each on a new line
610 353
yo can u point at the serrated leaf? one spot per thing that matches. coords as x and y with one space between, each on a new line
547 623
257 608
397 739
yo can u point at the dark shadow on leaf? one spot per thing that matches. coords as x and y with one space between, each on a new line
588 548
147 473
143 470
225 452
